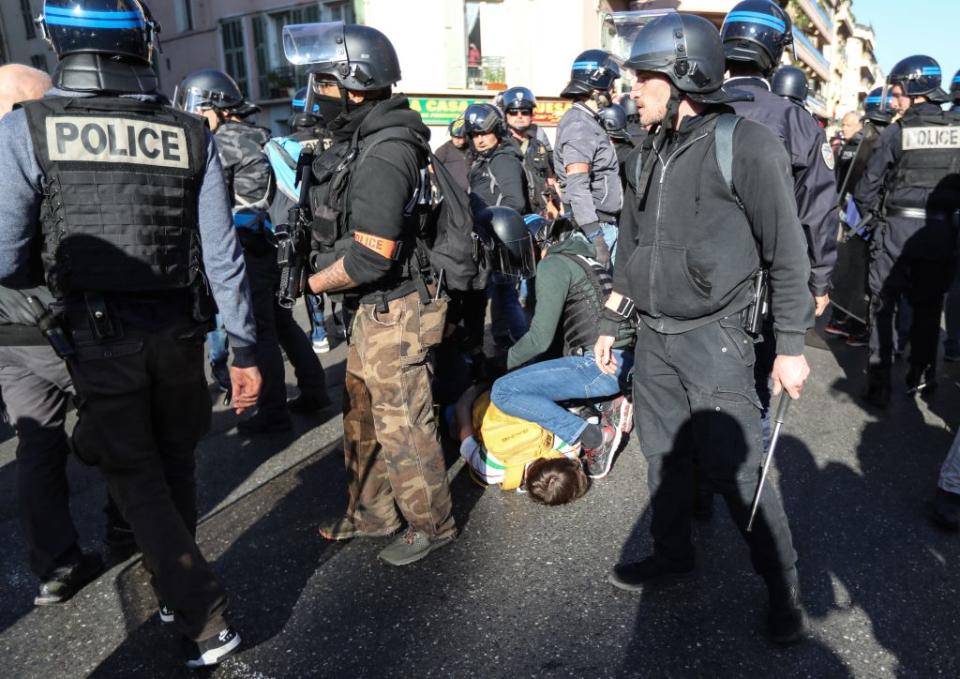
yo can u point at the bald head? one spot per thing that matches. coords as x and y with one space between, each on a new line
850 125
20 83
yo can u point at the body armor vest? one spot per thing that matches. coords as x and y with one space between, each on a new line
121 183
930 145
536 165
584 307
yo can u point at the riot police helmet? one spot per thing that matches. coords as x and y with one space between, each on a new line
876 109
918 76
790 82
482 119
955 88
357 57
756 32
630 108
118 28
687 50
514 253
614 120
518 98
211 89
299 102
592 70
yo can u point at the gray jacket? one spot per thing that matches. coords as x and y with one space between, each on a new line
581 139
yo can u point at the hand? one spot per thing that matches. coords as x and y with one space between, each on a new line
822 303
603 355
246 387
790 373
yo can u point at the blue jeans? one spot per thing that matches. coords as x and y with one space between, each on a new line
531 393
506 314
217 344
315 308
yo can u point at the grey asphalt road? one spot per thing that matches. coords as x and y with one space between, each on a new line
522 591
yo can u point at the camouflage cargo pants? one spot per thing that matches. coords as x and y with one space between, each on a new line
390 436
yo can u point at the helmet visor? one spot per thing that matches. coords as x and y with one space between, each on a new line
621 28
191 99
518 258
321 43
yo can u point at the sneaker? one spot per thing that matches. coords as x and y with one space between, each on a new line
321 346
211 651
68 580
837 328
600 459
634 576
265 424
921 380
945 512
305 405
343 528
411 547
858 340
167 615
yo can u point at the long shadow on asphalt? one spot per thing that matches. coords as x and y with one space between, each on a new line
713 623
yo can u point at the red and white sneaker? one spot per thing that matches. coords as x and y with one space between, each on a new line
600 459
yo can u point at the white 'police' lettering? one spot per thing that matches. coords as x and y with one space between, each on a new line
116 140
919 138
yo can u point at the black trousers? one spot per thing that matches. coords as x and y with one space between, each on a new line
36 388
924 282
143 406
695 398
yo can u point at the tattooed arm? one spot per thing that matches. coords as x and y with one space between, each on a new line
331 279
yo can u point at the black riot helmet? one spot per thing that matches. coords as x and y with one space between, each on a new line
359 58
955 88
299 102
790 82
630 108
118 28
591 70
482 118
919 76
687 49
518 97
614 121
756 31
211 89
513 247
876 108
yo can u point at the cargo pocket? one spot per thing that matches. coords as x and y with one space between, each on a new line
737 341
416 375
432 319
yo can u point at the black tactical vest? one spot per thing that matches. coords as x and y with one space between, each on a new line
121 183
926 177
584 307
536 165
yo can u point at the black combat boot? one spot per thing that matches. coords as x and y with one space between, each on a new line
878 389
785 618
636 575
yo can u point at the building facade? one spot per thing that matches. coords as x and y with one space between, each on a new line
20 39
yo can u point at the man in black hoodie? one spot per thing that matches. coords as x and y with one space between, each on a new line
687 266
365 222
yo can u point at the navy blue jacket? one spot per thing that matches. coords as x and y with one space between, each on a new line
812 163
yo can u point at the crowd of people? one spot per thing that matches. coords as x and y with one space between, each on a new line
654 269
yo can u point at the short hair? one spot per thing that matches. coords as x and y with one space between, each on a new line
556 480
853 115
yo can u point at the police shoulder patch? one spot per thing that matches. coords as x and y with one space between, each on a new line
827 154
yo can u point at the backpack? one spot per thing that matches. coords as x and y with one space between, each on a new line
446 242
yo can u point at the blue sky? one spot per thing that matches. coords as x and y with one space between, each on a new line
917 27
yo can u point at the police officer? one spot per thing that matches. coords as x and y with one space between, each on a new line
455 153
517 104
497 175
614 121
955 92
637 133
584 158
911 191
250 180
366 228
790 82
129 270
755 33
851 127
686 265
37 389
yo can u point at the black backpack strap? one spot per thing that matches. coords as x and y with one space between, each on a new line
723 145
